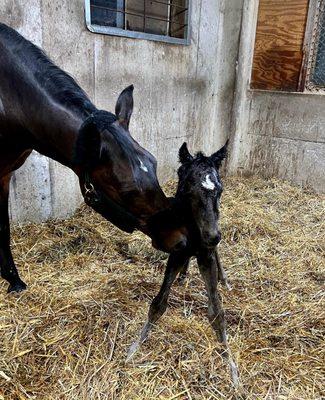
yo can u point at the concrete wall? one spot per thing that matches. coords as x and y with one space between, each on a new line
181 92
275 133
286 138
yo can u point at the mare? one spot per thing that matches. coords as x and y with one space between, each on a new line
42 108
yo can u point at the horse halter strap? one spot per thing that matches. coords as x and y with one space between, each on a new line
90 192
108 208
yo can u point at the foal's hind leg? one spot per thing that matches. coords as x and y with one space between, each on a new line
7 265
183 272
207 261
222 275
159 304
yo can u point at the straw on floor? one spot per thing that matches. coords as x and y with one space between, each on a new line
90 285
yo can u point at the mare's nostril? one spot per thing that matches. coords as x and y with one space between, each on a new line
180 245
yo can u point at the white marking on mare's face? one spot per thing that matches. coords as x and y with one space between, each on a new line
142 166
208 184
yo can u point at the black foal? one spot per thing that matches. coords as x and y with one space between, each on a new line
197 200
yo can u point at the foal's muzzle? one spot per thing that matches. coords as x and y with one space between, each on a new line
212 240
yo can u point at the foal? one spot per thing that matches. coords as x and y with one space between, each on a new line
197 201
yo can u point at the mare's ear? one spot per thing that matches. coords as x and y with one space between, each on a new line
220 155
124 106
184 155
88 144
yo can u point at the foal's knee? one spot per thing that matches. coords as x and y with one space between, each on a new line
218 315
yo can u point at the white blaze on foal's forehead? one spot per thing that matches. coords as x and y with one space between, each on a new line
208 184
142 166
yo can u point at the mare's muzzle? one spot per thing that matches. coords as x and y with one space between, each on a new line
108 208
167 230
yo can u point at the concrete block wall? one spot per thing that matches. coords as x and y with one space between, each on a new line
42 188
182 93
286 138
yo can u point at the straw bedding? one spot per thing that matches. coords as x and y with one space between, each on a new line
89 288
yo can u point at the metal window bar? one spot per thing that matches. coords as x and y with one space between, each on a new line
137 14
123 29
168 4
180 12
169 23
120 17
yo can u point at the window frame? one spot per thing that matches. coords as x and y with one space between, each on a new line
114 31
306 84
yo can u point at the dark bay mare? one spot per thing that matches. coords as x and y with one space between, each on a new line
197 201
42 108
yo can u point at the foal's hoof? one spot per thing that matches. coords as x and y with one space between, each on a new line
17 287
227 286
234 373
132 350
181 280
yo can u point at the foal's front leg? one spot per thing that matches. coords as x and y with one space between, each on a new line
207 261
159 304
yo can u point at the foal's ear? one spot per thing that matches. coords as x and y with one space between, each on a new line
124 106
220 155
184 155
87 147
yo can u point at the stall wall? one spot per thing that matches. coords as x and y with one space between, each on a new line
285 138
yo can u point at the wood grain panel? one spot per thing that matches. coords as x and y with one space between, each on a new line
279 44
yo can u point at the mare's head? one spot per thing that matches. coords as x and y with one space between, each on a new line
118 176
198 193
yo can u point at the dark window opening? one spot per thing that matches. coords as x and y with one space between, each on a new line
104 12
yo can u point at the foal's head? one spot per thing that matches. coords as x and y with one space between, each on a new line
198 193
120 175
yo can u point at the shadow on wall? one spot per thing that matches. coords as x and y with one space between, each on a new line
42 189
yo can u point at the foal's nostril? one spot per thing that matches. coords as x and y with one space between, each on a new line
214 240
180 245
218 237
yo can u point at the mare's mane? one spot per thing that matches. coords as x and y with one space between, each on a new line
58 85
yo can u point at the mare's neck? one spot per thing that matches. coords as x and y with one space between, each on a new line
55 129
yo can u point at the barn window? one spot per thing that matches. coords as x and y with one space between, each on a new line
315 67
289 53
160 20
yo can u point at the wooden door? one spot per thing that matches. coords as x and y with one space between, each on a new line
279 42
